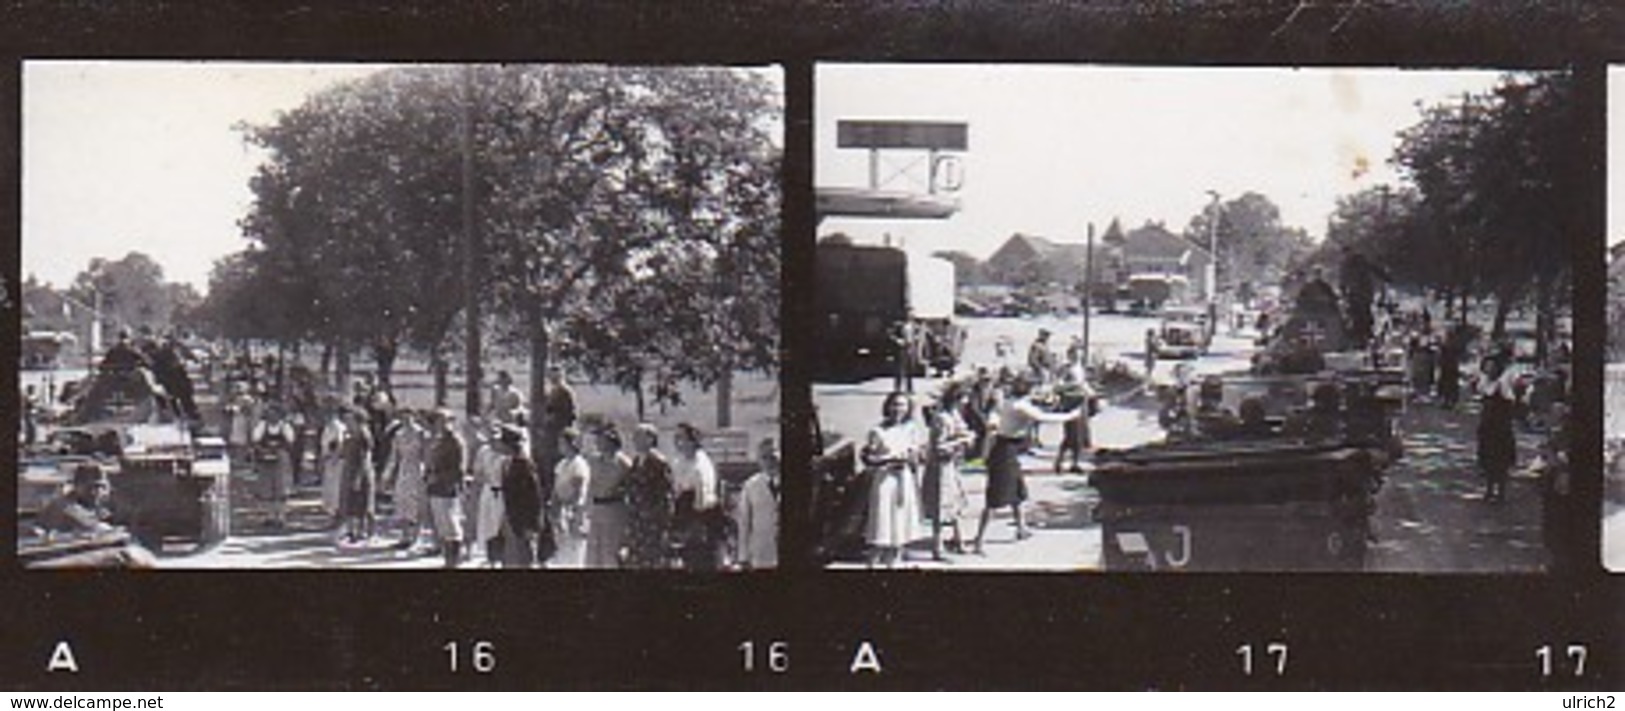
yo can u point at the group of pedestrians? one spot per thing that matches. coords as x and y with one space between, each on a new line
467 489
913 461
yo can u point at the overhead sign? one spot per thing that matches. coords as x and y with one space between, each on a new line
925 135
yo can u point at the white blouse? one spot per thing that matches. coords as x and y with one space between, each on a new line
698 475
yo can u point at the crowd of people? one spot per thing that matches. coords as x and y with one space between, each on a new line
912 459
473 489
432 483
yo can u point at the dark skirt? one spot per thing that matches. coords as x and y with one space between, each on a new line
356 499
1497 449
1005 484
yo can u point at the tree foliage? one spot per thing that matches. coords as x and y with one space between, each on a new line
1254 247
1486 215
627 217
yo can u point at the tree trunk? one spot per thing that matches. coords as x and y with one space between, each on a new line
438 364
539 346
638 388
725 394
342 370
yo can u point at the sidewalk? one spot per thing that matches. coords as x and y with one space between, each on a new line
1431 514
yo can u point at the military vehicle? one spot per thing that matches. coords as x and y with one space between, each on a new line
882 310
163 483
1273 469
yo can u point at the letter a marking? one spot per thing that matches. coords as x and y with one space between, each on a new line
62 659
866 659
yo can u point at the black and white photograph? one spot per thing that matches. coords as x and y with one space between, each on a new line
1613 504
369 316
1234 319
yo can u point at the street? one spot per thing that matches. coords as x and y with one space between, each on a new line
1430 514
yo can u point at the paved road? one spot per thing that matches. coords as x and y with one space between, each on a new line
1431 514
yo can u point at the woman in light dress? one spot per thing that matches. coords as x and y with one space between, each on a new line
332 462
891 453
943 491
489 464
568 507
608 520
406 459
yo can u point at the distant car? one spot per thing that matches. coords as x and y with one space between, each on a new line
1179 340
210 457
1183 333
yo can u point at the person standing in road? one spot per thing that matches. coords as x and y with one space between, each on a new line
1450 354
568 507
1150 355
758 511
606 535
507 404
521 500
558 415
943 490
445 479
331 462
1497 450
1074 392
891 452
490 462
359 479
648 501
1040 359
405 467
698 519
1017 415
273 441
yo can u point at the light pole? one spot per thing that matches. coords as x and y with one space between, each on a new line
1213 250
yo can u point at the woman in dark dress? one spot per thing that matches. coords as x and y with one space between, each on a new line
521 501
1017 416
1497 450
649 498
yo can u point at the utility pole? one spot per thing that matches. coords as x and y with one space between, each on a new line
1088 286
1213 250
471 253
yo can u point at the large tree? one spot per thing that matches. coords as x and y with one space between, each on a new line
1493 172
1254 247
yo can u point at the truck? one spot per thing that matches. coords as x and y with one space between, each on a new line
883 311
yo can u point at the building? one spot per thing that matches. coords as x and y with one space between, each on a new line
1152 249
1031 260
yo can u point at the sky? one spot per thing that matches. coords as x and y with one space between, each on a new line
136 155
1053 148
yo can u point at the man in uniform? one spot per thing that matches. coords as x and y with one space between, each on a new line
558 414
82 511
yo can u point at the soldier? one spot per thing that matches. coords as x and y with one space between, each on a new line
1040 360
